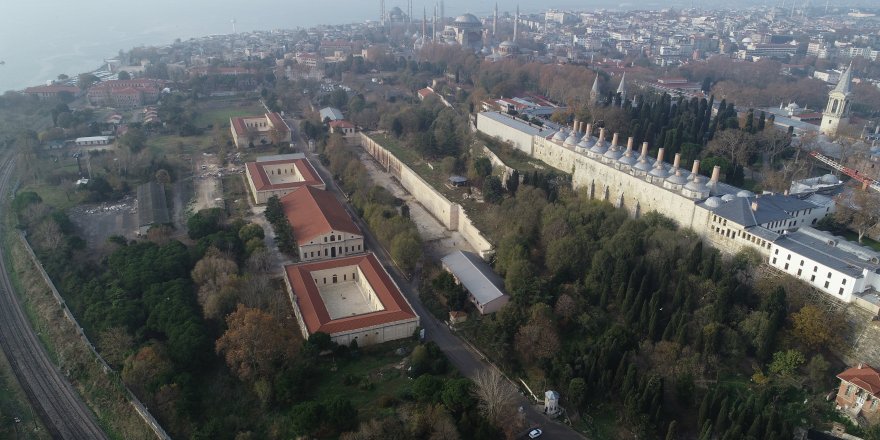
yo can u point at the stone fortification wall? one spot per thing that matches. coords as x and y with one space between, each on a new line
624 190
450 214
440 207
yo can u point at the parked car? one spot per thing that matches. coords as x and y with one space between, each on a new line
535 433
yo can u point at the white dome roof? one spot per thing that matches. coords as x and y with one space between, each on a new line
745 193
830 179
728 197
467 19
713 202
560 135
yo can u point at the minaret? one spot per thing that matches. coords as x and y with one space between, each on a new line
382 12
495 21
837 109
434 25
442 13
621 89
424 25
515 23
594 92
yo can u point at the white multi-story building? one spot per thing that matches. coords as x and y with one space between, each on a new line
831 264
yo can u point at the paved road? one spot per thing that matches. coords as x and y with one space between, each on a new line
62 410
466 360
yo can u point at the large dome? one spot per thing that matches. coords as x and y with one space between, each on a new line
467 19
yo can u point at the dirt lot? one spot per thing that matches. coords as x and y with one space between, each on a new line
208 188
99 222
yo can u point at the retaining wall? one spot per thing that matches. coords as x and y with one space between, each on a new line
448 213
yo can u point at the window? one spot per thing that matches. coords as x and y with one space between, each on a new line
332 238
829 274
813 279
786 266
843 282
799 272
776 252
335 279
802 262
325 239
826 284
840 292
788 257
815 268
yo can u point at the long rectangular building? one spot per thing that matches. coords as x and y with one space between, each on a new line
278 175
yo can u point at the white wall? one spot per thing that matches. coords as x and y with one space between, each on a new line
319 248
520 140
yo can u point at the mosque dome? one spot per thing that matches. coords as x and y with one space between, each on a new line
728 197
614 153
829 179
745 193
644 165
467 19
713 202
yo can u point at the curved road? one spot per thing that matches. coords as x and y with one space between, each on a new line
62 410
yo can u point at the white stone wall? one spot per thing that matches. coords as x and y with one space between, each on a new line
520 140
450 214
378 334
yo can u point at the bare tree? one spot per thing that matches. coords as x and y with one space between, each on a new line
734 145
859 210
115 344
497 396
772 143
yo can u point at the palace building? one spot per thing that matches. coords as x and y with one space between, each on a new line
278 175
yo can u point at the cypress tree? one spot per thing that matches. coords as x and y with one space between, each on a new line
762 121
706 432
670 432
703 414
723 415
756 428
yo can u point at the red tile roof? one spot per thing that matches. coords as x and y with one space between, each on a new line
274 120
313 212
314 312
341 123
261 180
864 377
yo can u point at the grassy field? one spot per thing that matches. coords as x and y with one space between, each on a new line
13 404
376 373
217 113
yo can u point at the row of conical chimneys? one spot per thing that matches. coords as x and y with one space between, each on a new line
580 139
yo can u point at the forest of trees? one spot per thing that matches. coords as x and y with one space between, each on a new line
640 319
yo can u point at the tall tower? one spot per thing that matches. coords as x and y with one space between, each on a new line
594 92
442 14
382 12
837 109
621 89
495 21
516 23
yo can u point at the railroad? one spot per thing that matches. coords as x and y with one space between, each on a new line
61 409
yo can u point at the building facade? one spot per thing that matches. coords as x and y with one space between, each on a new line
269 128
837 110
858 395
322 227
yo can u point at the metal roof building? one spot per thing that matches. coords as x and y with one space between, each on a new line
484 286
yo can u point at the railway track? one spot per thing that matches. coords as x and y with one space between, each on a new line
62 410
